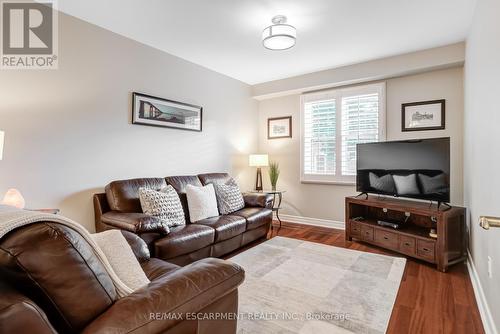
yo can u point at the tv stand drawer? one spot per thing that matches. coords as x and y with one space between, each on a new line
386 239
426 249
366 232
407 245
355 229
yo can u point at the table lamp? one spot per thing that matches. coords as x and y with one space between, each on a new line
13 197
258 160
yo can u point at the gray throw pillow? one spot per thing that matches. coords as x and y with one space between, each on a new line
383 183
433 184
164 205
406 185
229 197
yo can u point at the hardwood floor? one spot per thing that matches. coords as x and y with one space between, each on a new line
428 301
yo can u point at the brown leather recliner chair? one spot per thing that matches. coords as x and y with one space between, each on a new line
120 208
50 281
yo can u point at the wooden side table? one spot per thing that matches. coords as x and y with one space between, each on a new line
53 211
276 205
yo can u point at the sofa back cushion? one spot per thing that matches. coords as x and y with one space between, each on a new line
56 268
179 183
123 195
214 178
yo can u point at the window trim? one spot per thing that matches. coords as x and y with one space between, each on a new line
337 94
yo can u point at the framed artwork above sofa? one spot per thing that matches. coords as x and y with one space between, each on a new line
156 111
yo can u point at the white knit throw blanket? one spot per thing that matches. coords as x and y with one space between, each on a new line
12 218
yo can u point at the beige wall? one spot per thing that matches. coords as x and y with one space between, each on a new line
482 147
68 131
327 201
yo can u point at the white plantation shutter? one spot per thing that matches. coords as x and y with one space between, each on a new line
332 123
319 137
360 124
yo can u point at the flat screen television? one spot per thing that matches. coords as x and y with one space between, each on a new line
409 168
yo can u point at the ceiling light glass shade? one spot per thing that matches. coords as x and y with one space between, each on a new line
279 36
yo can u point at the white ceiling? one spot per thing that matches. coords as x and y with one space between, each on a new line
224 35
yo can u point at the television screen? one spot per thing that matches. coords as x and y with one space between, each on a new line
411 168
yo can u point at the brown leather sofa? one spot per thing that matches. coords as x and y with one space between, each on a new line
51 282
119 208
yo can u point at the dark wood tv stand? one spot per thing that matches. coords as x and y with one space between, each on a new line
412 238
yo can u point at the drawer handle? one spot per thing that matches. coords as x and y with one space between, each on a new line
426 249
407 244
386 238
367 232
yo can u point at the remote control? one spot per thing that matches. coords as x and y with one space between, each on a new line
387 224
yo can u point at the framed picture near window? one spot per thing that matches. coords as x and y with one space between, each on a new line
279 127
421 116
156 111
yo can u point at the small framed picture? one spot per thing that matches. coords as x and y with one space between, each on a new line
420 116
155 111
279 127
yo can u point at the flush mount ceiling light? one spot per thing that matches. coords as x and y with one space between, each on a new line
279 36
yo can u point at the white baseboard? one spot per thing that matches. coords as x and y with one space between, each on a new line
312 221
482 304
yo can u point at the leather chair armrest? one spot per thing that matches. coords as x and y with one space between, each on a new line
135 222
170 299
258 200
139 247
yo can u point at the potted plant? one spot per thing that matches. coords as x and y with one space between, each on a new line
274 173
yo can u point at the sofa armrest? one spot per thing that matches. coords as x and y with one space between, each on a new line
258 200
139 247
171 298
135 222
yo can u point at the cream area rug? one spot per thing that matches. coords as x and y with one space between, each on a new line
295 286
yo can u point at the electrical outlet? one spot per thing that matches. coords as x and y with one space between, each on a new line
490 272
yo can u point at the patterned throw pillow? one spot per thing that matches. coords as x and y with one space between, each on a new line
383 183
434 184
164 204
229 197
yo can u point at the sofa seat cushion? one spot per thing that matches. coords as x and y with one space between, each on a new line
183 240
255 216
154 268
226 226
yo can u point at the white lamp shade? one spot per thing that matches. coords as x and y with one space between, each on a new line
2 136
279 37
14 198
258 160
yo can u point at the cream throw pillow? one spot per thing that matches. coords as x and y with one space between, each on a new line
202 202
121 258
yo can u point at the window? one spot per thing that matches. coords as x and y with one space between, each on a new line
332 123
